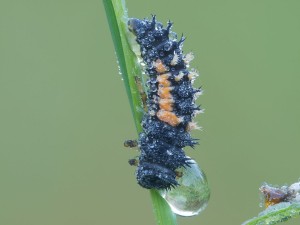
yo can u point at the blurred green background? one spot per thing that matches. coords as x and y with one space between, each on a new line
64 113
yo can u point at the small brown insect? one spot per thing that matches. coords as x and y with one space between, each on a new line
275 195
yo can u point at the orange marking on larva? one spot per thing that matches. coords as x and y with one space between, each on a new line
159 66
165 92
166 104
163 80
168 117
166 101
166 107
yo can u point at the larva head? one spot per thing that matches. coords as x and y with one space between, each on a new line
155 176
140 27
134 25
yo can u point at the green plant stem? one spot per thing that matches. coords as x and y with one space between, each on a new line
276 216
162 211
117 16
115 12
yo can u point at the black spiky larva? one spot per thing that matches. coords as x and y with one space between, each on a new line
171 105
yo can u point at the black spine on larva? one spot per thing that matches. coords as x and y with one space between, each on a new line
160 143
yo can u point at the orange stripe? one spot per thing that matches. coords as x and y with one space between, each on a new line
164 92
168 117
163 80
166 104
159 66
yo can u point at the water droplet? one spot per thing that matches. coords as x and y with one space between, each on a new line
173 36
192 195
167 46
119 69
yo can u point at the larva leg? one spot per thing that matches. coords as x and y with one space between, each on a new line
130 143
133 162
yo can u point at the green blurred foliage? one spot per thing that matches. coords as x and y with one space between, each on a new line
64 113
